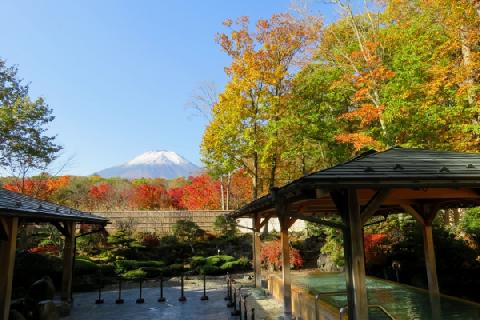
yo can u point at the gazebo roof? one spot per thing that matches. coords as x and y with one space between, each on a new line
393 168
13 204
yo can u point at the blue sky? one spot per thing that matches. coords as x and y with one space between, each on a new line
119 74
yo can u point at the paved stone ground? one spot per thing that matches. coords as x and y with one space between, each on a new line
84 307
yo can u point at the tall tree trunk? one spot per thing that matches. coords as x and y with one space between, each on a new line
222 194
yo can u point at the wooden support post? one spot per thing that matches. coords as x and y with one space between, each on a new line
430 262
257 247
68 256
7 262
287 282
354 258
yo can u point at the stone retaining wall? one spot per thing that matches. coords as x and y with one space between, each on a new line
304 304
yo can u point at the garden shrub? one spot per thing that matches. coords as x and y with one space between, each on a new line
150 240
84 267
225 226
470 223
153 272
123 266
219 260
197 261
30 267
103 257
107 269
210 270
175 269
134 274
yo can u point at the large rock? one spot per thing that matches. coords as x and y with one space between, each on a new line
42 289
46 310
325 264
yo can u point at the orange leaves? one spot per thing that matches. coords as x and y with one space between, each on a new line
150 197
358 140
39 187
366 113
203 193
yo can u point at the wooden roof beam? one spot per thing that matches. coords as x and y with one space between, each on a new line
374 204
323 222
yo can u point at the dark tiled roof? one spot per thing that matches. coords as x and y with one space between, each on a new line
393 167
401 162
16 204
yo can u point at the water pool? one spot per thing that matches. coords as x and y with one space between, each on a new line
400 301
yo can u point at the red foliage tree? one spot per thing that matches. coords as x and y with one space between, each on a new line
271 254
240 189
202 194
372 243
149 197
42 187
176 195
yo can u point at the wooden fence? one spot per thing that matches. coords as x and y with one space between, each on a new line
160 222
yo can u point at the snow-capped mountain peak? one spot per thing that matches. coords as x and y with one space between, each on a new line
153 164
158 157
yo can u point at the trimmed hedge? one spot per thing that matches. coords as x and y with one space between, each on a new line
122 266
85 267
134 274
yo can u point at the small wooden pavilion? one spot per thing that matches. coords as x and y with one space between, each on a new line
18 209
414 181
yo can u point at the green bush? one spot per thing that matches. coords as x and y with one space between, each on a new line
107 269
30 267
175 269
197 261
134 274
85 267
470 223
153 272
210 270
218 260
122 266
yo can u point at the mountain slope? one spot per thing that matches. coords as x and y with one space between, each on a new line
153 164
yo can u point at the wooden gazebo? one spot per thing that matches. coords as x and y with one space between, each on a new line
18 209
414 181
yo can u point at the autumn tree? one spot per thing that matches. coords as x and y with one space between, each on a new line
149 197
203 193
243 132
42 187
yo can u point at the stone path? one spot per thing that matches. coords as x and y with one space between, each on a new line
84 307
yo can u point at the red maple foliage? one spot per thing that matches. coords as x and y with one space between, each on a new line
203 193
100 192
371 243
149 197
176 195
271 254
241 189
39 187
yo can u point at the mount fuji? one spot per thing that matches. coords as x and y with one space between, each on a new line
153 164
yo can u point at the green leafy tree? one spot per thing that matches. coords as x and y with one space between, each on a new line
24 142
225 226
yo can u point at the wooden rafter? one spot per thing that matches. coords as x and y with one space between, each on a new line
374 204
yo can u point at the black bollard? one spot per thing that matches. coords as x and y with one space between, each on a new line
233 301
245 307
162 298
140 300
119 300
253 314
182 297
239 304
228 297
99 300
204 297
235 312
